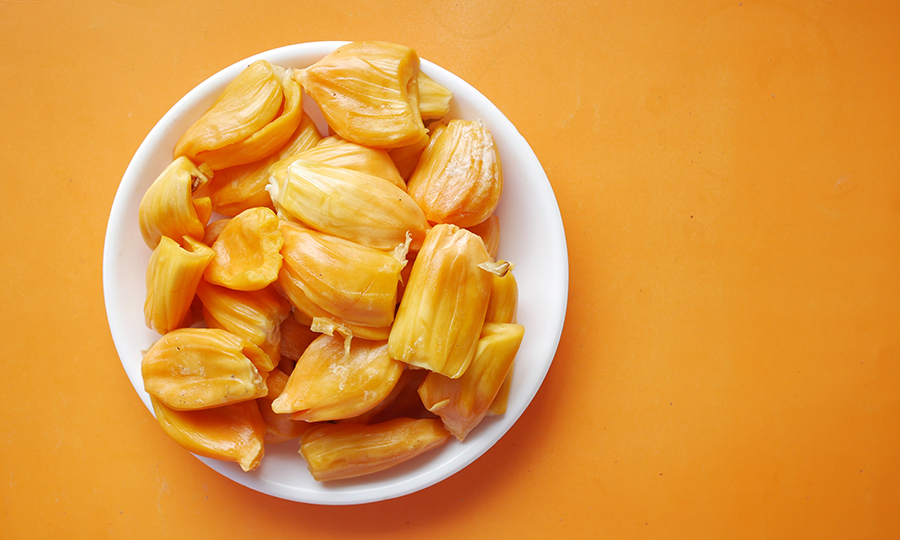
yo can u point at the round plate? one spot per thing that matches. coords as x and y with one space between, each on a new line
532 238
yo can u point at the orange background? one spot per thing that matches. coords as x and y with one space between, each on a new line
729 178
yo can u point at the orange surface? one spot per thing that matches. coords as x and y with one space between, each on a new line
729 177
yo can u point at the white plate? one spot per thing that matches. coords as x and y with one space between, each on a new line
532 237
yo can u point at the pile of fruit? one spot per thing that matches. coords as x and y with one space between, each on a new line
350 295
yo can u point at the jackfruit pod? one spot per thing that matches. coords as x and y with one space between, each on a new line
489 232
348 281
230 433
462 403
248 251
295 338
368 93
254 117
434 99
255 316
167 208
349 204
406 158
349 155
459 179
238 188
502 309
443 307
279 427
331 383
201 368
504 295
247 104
173 274
338 451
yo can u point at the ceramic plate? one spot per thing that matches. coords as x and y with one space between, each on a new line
532 237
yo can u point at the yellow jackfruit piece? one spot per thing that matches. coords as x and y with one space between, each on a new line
349 204
231 433
330 383
254 117
502 309
504 295
247 251
167 208
173 274
434 98
324 276
462 403
337 451
368 93
255 316
439 320
201 368
459 178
